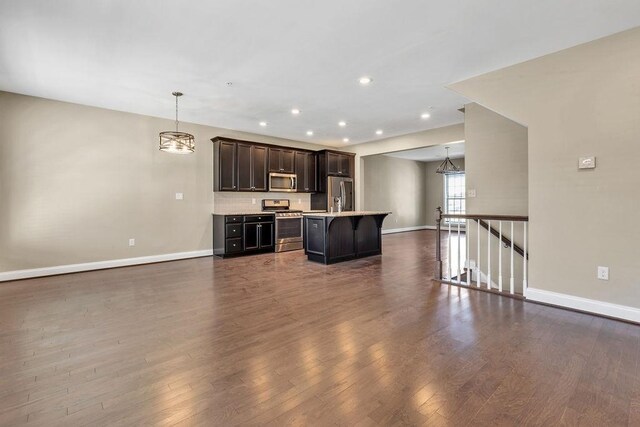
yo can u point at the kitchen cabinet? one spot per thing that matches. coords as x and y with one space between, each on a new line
281 160
235 235
331 163
227 166
252 167
245 165
305 170
339 164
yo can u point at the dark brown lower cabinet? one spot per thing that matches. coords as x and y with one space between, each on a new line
243 234
330 239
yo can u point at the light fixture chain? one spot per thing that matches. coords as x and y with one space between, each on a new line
176 113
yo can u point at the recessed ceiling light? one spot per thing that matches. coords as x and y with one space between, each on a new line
342 123
345 139
295 111
379 132
365 80
425 115
309 133
263 124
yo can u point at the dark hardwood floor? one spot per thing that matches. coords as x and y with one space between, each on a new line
275 339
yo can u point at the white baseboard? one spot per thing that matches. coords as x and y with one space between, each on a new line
584 304
414 228
99 265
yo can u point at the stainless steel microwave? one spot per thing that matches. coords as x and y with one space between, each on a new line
283 182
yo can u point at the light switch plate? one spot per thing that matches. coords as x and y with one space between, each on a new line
587 162
471 193
179 196
603 273
132 242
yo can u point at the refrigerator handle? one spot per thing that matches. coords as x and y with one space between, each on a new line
343 193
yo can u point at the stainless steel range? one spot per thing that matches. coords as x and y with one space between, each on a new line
288 224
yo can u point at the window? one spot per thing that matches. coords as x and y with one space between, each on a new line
454 192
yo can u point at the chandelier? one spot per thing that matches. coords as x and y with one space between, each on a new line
175 141
447 165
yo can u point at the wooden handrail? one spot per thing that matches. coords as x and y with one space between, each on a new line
480 218
505 240
486 217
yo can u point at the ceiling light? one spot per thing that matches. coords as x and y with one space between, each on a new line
365 80
342 123
345 139
379 132
175 141
447 166
425 115
295 111
263 124
309 133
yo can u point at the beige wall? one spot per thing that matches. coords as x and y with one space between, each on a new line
77 182
412 190
396 185
578 102
496 168
438 136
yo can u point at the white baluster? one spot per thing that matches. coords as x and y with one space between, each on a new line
466 243
459 256
489 254
524 262
449 247
512 282
478 260
500 257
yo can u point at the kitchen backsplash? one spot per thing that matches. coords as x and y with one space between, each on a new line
230 202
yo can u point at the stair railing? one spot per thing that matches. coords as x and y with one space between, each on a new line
460 271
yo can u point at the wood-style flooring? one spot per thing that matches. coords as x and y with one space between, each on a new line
274 339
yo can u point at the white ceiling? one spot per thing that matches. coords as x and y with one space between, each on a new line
431 153
130 55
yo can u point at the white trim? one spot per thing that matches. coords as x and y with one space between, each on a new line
414 228
584 304
99 265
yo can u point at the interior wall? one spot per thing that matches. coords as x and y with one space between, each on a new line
496 169
438 136
583 101
77 182
396 185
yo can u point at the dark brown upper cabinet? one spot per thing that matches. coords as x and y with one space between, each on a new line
305 165
252 167
227 166
281 160
339 164
245 165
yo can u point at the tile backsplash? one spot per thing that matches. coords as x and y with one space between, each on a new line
230 202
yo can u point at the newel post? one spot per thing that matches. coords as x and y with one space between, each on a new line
438 272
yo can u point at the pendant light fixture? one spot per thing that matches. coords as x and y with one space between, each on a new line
447 165
175 141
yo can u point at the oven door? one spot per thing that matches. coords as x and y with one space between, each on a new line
288 233
282 182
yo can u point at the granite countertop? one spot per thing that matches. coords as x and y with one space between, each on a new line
347 213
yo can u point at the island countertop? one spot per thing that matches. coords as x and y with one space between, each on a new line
346 213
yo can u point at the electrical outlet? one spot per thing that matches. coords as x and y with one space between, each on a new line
603 273
299 201
179 196
253 201
471 193
132 242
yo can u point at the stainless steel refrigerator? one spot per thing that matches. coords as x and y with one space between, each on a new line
339 190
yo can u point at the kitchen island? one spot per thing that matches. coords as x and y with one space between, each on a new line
331 237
